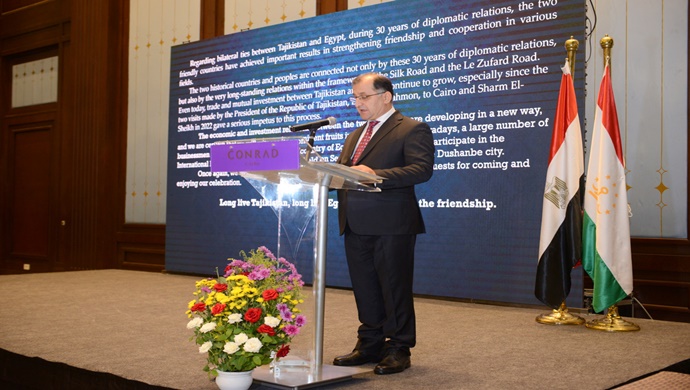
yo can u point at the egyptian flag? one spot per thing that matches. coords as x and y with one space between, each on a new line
606 252
560 243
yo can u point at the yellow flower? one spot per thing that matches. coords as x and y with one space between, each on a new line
205 283
288 299
239 278
222 298
238 304
251 291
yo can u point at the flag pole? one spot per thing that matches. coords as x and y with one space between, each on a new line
571 46
613 322
606 44
561 316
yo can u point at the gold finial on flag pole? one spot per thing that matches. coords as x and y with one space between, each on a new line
571 46
606 43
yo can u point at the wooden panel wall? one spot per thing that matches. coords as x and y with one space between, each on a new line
661 279
29 30
29 219
88 38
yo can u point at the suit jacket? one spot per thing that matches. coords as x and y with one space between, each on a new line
402 151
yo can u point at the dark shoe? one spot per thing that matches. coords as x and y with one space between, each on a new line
395 361
355 358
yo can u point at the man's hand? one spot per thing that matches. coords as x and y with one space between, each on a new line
363 168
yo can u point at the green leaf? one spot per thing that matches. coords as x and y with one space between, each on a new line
257 360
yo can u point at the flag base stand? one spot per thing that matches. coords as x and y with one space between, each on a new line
612 322
560 316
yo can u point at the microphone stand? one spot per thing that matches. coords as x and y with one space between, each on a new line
312 135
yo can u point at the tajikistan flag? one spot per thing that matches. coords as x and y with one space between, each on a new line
606 226
560 242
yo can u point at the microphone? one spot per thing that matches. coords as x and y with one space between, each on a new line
314 125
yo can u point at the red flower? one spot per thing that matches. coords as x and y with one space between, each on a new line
199 306
217 309
220 287
252 315
283 351
228 268
269 295
266 329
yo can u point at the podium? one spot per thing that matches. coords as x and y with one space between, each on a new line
294 180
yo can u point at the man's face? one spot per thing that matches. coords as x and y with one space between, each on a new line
373 106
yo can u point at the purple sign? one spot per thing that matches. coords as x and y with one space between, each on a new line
255 156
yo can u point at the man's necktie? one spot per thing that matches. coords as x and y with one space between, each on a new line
365 141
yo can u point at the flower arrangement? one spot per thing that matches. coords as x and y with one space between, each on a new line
248 316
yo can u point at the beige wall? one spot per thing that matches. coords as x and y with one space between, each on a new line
155 26
649 76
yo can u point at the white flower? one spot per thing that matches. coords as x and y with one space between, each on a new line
241 338
252 345
230 348
271 321
205 347
234 318
207 327
195 323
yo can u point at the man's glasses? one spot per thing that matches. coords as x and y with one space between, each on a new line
364 98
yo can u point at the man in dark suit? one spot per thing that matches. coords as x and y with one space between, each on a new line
381 228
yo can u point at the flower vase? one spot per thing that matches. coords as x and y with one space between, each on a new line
241 380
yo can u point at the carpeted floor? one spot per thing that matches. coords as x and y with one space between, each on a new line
675 376
132 325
